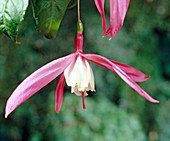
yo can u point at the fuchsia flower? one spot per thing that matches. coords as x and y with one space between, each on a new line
78 75
118 9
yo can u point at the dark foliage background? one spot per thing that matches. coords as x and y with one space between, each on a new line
114 112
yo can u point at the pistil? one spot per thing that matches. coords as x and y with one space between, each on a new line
83 100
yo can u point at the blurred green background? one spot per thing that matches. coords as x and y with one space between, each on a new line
115 112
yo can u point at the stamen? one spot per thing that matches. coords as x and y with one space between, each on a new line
84 106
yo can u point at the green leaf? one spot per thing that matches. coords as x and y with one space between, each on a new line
12 13
48 15
72 3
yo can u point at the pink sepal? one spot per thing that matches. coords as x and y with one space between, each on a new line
36 81
133 73
106 63
118 9
100 7
59 93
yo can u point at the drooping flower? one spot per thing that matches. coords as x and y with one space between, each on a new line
78 75
118 9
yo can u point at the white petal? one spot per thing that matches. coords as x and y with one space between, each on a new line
83 72
76 91
79 76
68 71
91 78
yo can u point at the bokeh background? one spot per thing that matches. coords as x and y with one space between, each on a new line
115 112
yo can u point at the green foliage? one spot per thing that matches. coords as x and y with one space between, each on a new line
102 120
72 3
163 121
12 13
48 15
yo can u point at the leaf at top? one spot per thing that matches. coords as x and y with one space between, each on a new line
72 3
48 15
12 13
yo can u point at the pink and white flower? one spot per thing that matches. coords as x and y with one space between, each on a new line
118 9
77 73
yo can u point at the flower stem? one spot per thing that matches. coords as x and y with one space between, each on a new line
78 9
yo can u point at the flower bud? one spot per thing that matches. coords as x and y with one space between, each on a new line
79 26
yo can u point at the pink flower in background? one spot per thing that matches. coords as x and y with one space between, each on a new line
149 0
118 9
77 73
